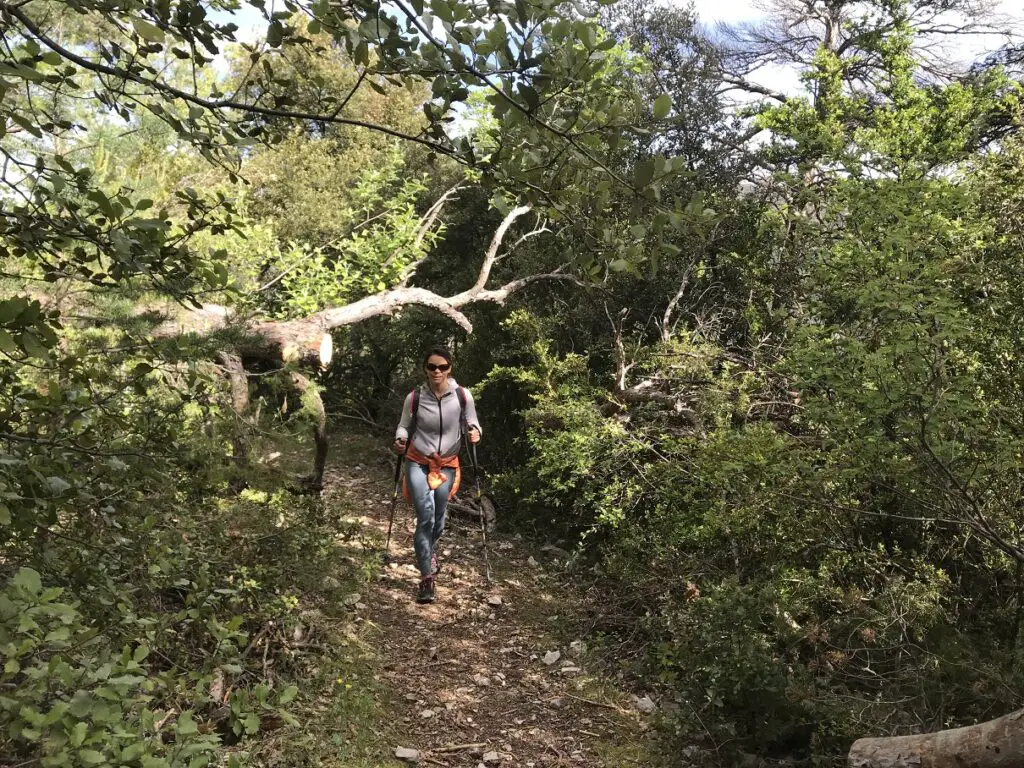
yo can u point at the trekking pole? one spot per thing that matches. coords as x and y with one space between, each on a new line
483 516
394 503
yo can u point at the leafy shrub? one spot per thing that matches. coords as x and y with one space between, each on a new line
70 698
148 612
777 607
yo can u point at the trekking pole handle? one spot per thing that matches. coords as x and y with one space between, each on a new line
399 461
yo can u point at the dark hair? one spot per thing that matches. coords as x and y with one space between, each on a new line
440 352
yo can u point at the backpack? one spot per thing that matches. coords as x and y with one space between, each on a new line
459 393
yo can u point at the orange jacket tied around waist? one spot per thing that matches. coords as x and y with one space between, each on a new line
435 477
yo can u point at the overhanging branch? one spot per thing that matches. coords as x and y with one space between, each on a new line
211 104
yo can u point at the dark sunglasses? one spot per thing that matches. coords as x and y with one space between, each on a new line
434 367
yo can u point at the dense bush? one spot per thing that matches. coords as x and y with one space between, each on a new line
814 539
149 611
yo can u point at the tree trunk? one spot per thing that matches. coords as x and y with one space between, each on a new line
298 341
303 341
313 405
994 744
235 372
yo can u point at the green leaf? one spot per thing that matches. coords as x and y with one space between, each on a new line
77 734
11 308
275 34
530 95
28 580
442 10
148 31
57 485
22 71
81 703
662 106
643 174
132 751
33 347
5 515
7 344
588 35
27 125
288 694
102 201
58 635
619 265
251 723
91 757
500 204
186 725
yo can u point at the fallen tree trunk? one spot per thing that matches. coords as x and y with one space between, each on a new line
994 744
308 339
303 342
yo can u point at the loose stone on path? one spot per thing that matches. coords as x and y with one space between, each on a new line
409 755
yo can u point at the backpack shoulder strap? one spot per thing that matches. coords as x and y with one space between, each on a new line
414 411
461 394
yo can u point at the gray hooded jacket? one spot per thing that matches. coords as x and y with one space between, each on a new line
438 421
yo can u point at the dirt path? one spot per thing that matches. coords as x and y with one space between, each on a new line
473 679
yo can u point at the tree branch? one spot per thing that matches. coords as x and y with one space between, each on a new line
220 104
387 303
426 224
492 253
666 320
305 337
500 295
746 85
529 113
430 218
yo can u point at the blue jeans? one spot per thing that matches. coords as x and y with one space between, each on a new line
430 510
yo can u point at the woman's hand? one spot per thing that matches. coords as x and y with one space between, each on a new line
399 446
474 435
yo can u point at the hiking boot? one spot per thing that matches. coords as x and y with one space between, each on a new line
426 590
435 567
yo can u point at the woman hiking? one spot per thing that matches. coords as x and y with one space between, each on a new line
436 415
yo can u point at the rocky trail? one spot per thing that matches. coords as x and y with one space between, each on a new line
493 673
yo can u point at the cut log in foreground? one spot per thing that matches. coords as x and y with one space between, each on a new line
994 744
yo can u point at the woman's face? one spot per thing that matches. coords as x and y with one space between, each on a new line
437 369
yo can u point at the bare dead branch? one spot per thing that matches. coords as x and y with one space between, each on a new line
666 320
492 252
